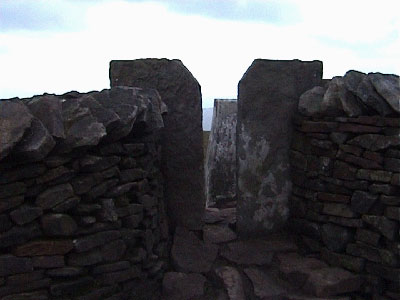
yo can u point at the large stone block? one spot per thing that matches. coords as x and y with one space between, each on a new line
182 157
220 167
268 98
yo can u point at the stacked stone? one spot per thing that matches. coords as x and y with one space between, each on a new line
81 198
345 159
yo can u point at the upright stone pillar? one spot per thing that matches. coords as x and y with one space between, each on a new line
182 157
268 97
220 168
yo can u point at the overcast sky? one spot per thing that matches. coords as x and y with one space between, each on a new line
56 46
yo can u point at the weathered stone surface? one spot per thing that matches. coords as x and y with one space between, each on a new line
84 259
268 97
262 251
25 214
224 216
11 190
12 129
338 209
18 235
107 268
336 237
65 272
343 170
182 162
42 248
22 172
92 163
10 265
361 202
363 250
119 276
327 282
113 250
189 254
39 295
393 213
328 197
67 205
54 196
374 175
390 200
88 242
388 87
58 225
310 102
352 263
182 286
367 236
218 234
306 227
130 175
48 262
74 287
220 167
232 282
5 223
11 202
386 227
332 103
35 144
264 285
375 142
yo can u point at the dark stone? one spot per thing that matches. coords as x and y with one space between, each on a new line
310 102
264 284
375 142
29 286
357 128
135 150
328 197
119 276
327 282
367 236
73 287
92 163
44 248
119 190
85 259
65 272
338 209
88 242
48 109
131 209
101 189
19 234
82 184
385 189
361 202
10 265
10 202
305 227
336 237
365 251
218 234
386 227
24 278
374 175
388 87
58 225
15 119
107 268
358 161
182 157
113 251
11 190
351 263
39 295
132 221
321 126
390 200
35 145
395 179
190 254
112 149
183 286
130 175
67 205
347 222
54 196
108 211
5 223
392 164
393 213
48 262
374 156
338 137
25 214
232 281
53 174
22 172
344 171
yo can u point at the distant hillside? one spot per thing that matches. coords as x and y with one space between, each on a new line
207 118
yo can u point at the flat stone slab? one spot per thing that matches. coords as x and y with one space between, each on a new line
261 251
296 269
232 282
181 286
264 285
328 282
190 254
222 216
218 234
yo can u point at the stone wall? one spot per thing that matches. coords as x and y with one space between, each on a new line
345 159
268 96
220 166
182 153
81 196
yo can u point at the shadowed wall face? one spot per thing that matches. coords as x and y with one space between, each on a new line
182 157
268 97
220 165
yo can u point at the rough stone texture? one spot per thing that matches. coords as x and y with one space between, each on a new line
190 254
268 97
232 282
218 234
388 87
182 163
181 286
264 285
220 167
311 100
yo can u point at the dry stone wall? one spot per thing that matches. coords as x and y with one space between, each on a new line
220 166
345 159
81 196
